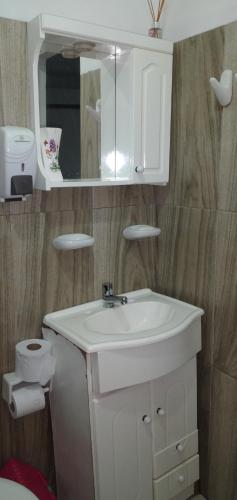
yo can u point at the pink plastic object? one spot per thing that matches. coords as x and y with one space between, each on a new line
28 476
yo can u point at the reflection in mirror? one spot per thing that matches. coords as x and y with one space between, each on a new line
77 94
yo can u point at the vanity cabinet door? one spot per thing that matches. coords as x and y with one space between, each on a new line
174 423
152 86
123 444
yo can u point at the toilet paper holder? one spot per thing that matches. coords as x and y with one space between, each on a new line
10 381
24 389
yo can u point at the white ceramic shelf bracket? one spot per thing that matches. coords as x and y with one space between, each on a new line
140 232
224 88
73 241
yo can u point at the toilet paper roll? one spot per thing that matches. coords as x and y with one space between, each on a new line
34 361
26 400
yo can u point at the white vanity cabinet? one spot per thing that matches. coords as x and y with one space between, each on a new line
132 443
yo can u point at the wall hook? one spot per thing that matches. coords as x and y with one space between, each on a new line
223 88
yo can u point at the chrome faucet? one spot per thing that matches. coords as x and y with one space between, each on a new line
109 297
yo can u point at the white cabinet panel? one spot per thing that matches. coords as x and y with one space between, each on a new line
174 401
69 405
119 368
123 445
152 85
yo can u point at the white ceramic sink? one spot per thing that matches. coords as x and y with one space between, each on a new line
130 319
147 318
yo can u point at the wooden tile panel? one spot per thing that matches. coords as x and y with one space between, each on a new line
227 169
123 196
223 445
185 262
67 276
14 91
21 243
196 120
128 264
225 321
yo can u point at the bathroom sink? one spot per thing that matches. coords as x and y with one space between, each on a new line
147 318
131 318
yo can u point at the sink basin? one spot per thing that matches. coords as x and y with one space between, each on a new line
147 318
131 318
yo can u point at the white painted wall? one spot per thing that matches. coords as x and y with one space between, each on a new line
182 18
129 15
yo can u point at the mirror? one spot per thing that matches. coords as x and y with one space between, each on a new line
77 95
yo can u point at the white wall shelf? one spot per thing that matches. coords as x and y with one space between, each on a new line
73 241
140 232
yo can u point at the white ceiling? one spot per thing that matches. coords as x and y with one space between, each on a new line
182 18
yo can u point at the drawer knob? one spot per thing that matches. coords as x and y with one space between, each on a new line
181 479
160 412
146 419
179 448
139 169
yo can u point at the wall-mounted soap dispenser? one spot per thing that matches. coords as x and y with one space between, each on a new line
17 162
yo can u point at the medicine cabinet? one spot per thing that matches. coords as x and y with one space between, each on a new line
110 93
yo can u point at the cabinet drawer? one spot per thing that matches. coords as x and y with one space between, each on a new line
175 454
177 481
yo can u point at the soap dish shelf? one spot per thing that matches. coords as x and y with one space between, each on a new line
73 241
140 232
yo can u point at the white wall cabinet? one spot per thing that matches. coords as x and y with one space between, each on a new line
135 111
133 443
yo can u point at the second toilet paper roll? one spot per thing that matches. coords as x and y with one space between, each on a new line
34 361
26 400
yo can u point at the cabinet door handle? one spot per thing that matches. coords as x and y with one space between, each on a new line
181 479
146 419
160 412
139 169
179 448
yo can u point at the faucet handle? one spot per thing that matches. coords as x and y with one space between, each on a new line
107 288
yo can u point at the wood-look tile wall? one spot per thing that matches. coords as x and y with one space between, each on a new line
34 277
197 255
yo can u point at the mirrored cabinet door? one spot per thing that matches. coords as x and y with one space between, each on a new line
77 95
